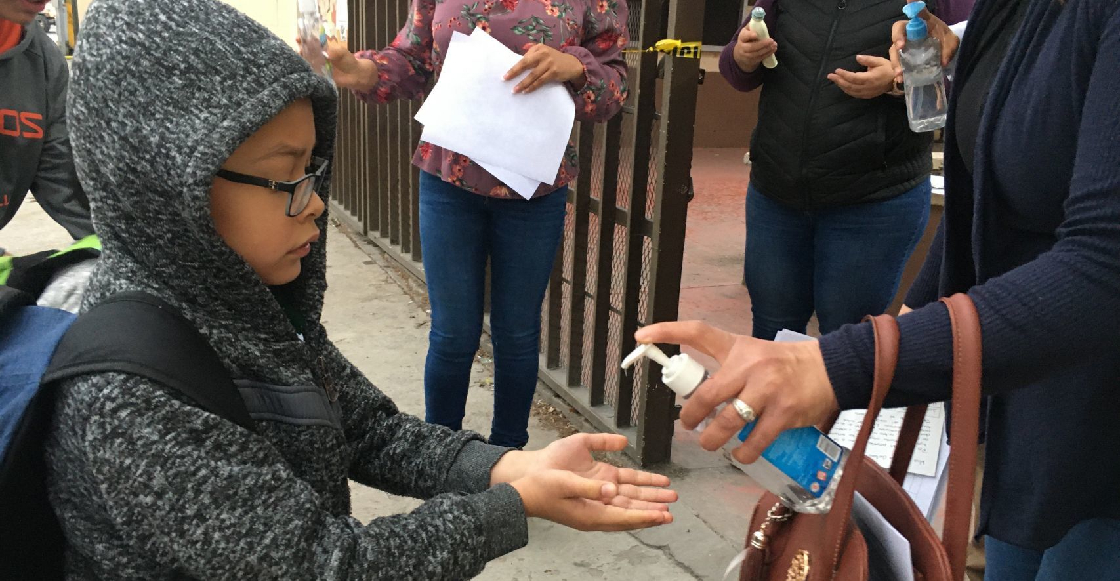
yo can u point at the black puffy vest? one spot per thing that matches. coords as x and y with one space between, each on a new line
816 147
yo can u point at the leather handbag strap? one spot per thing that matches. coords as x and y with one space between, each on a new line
886 358
907 439
964 430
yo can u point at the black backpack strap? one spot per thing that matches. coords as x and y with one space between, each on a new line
137 333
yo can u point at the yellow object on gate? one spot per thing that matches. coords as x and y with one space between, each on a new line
674 47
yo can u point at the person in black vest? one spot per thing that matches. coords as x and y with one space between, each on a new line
840 192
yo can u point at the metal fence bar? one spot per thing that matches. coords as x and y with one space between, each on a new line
604 274
579 254
674 190
641 136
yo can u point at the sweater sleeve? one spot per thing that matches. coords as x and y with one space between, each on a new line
1048 314
213 501
737 77
56 186
604 64
405 67
400 453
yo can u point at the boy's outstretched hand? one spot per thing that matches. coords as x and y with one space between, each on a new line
565 484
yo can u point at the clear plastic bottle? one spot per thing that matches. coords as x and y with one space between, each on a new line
313 37
758 25
802 467
923 78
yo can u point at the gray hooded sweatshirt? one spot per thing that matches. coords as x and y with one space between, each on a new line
148 486
34 144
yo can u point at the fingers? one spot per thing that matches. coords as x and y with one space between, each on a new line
627 502
641 478
527 63
870 61
709 340
569 485
725 426
604 517
540 76
602 442
765 431
646 494
719 388
747 35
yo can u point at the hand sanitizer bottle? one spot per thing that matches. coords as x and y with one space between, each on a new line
758 26
802 466
313 37
923 79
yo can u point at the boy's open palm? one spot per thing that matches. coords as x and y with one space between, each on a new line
564 483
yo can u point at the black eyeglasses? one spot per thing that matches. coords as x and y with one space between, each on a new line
299 191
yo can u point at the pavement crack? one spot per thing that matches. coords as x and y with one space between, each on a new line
664 550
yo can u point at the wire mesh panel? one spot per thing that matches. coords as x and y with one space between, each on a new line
623 231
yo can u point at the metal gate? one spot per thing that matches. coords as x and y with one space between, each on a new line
620 263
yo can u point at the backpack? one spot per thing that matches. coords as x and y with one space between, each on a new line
131 332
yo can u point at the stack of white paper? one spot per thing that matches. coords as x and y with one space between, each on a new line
520 139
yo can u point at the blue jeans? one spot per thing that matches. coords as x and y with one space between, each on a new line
843 263
459 231
1090 550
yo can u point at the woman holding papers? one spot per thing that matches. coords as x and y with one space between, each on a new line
468 216
1031 232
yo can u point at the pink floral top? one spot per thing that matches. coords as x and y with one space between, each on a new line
594 31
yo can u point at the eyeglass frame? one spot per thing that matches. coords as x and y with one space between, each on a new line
288 187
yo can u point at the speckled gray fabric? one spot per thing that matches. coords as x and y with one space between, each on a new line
150 487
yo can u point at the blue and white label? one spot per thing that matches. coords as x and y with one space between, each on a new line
806 455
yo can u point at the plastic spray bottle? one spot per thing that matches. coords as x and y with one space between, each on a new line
758 26
923 78
802 466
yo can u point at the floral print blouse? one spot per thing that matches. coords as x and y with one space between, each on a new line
594 31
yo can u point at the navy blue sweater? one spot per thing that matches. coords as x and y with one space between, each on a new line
1034 238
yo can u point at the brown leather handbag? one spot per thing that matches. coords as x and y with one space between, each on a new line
788 546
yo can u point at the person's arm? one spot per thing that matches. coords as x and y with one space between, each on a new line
602 90
1053 312
217 502
744 80
56 186
400 453
400 71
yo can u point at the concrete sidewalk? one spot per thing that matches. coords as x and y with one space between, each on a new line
383 330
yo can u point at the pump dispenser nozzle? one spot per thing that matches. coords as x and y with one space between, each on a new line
680 372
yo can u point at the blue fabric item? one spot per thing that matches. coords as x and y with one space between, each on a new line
843 263
1088 551
459 231
28 337
1034 238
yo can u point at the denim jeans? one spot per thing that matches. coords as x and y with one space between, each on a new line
459 232
1090 550
842 263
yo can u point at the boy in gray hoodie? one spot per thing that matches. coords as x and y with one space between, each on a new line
203 141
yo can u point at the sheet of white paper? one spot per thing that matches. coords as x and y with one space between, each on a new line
472 111
885 435
889 551
927 491
525 187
